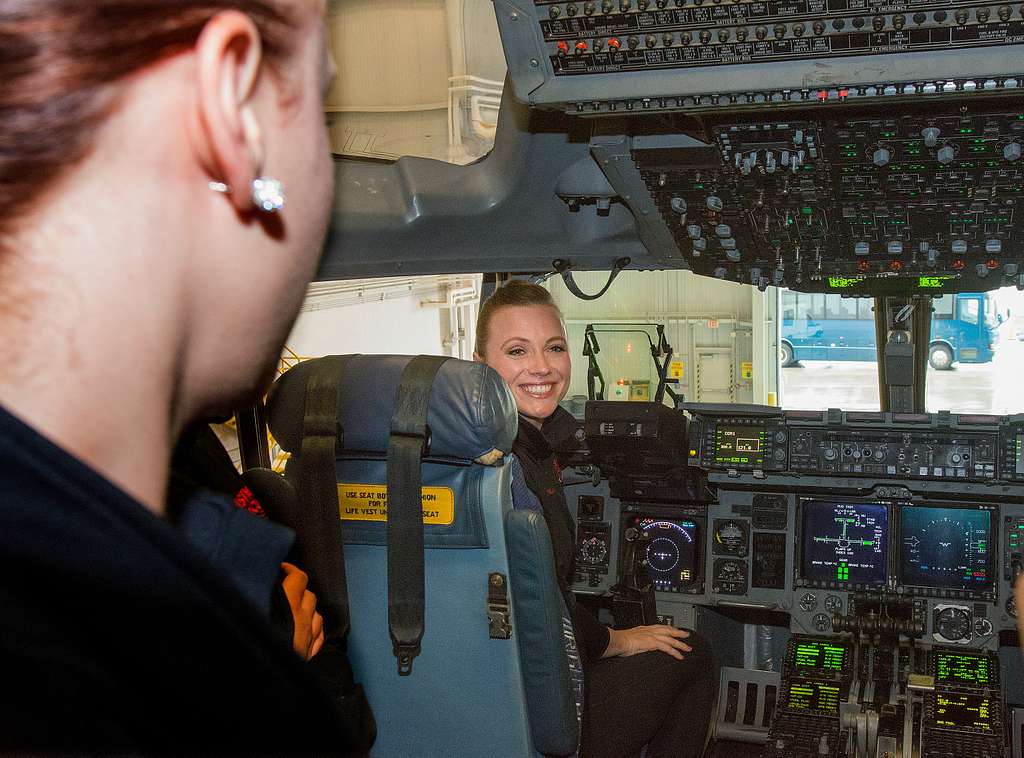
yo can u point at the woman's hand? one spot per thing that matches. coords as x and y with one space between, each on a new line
309 625
641 639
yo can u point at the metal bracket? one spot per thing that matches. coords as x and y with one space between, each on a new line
499 616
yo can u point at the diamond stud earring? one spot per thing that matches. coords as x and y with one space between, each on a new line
267 193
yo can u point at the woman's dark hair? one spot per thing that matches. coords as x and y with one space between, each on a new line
59 60
515 292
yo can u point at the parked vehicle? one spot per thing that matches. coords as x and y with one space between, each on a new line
965 328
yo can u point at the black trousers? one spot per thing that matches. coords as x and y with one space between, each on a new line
649 699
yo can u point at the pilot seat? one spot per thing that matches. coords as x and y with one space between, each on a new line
493 672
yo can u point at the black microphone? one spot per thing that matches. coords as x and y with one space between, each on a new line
275 494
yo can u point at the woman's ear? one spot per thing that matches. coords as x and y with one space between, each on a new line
478 358
229 57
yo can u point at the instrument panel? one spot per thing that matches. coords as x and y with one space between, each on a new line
924 542
597 57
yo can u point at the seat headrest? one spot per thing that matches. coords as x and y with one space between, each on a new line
471 413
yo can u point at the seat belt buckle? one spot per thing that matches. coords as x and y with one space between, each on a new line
404 654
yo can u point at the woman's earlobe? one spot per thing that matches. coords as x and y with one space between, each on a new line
478 358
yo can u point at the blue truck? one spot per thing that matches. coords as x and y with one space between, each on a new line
829 327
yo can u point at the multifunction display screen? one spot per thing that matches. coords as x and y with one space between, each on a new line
739 444
812 695
672 555
955 711
817 655
845 542
963 668
949 548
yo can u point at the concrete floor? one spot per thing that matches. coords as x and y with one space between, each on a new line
995 387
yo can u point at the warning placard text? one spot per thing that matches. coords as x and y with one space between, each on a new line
369 502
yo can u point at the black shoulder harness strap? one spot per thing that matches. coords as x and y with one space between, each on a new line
409 442
321 532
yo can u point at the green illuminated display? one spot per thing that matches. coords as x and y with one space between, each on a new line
813 696
932 282
844 282
742 445
820 655
962 668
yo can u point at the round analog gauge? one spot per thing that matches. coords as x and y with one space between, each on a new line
822 623
593 551
731 537
953 624
982 627
833 604
808 602
730 576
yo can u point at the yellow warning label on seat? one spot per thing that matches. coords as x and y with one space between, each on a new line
369 502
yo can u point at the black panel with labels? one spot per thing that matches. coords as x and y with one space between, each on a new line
600 38
924 454
769 561
915 203
770 512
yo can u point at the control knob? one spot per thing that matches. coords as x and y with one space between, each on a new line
931 136
945 155
881 156
830 453
1012 151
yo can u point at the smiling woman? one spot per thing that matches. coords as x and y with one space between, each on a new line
520 334
645 686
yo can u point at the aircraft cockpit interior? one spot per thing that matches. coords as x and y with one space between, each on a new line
854 568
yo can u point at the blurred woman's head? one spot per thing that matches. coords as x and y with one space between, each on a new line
520 334
118 118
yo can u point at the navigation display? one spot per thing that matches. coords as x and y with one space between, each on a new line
955 711
811 656
739 444
845 542
812 695
672 555
949 548
963 668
